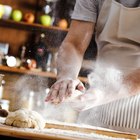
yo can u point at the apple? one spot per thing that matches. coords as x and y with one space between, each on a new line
29 17
63 24
16 15
45 20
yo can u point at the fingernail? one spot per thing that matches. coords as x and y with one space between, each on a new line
47 99
81 88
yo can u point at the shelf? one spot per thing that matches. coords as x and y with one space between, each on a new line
34 72
29 27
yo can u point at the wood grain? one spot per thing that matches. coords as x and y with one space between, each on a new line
108 133
11 131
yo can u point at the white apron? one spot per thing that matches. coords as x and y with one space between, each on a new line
118 36
118 41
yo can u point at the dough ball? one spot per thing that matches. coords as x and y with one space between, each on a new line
25 119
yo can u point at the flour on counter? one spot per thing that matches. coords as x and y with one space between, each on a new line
59 132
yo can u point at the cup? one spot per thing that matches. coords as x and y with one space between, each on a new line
7 12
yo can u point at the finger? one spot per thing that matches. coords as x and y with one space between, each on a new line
81 87
54 95
63 91
48 96
54 89
55 101
56 86
71 89
72 86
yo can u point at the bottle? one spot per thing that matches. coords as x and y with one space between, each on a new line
41 52
31 100
2 89
23 51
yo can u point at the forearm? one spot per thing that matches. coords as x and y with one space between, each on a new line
71 52
69 61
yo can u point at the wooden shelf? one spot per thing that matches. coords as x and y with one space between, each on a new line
34 72
29 27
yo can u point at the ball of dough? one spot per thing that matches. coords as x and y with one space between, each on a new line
25 119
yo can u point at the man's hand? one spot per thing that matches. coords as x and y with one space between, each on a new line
132 82
69 60
63 89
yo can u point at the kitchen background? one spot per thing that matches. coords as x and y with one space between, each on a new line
30 35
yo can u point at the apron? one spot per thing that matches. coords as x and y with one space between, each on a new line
118 41
118 36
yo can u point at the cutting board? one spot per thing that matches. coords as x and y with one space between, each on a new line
90 129
32 134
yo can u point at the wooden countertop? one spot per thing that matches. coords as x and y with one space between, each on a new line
62 132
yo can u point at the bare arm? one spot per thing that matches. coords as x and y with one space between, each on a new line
69 61
72 50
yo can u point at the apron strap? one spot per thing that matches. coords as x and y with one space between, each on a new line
102 18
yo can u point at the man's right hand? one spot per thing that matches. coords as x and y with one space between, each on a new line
63 89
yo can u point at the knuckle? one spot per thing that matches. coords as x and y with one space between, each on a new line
71 81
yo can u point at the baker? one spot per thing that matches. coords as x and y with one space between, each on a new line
116 25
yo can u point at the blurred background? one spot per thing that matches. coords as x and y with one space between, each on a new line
31 33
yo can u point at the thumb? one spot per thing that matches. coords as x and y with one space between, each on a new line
81 87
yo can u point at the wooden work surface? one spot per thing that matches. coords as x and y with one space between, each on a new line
47 134
31 135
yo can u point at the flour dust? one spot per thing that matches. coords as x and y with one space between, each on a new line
105 85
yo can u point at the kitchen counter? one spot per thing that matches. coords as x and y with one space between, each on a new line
56 131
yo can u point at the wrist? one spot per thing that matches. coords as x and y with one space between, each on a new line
63 78
68 76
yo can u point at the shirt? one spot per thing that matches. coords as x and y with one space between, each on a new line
88 10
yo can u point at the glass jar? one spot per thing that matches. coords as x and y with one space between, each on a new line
4 104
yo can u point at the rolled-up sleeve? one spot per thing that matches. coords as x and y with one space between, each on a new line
85 10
